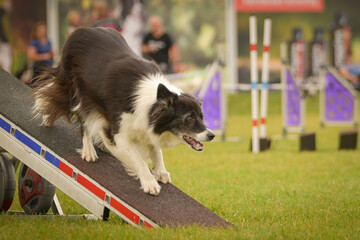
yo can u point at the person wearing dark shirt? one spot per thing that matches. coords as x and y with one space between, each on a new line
157 44
40 51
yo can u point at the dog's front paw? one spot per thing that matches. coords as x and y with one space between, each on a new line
89 154
151 187
163 177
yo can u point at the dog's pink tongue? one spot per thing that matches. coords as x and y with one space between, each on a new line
197 146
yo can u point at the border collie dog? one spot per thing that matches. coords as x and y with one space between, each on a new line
123 103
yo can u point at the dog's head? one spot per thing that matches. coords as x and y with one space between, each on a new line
182 116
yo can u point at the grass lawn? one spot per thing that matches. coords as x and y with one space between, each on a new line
278 194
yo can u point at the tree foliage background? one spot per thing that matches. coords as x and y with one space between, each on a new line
196 26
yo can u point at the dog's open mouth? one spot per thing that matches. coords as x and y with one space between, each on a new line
198 146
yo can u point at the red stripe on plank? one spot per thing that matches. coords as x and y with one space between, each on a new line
125 211
66 169
90 186
253 47
263 121
266 49
148 225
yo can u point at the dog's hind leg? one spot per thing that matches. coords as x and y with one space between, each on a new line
88 151
127 153
158 166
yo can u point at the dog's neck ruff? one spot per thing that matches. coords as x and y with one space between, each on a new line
145 96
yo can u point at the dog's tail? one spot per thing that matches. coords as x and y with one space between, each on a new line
52 95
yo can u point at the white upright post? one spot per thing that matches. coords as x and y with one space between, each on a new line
254 81
231 43
52 22
265 77
284 60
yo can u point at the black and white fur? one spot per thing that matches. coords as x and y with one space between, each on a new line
123 103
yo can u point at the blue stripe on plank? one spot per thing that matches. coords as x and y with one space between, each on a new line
28 142
52 159
6 126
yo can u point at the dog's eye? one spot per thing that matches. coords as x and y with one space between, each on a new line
189 119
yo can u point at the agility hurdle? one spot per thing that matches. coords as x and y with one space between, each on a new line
265 77
99 187
213 99
262 143
339 101
339 106
254 82
292 98
208 87
293 103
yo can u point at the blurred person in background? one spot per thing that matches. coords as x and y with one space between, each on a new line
157 44
100 18
131 16
5 47
40 51
74 21
351 71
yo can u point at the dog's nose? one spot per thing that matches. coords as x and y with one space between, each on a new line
210 136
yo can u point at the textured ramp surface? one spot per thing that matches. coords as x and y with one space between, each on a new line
171 207
16 104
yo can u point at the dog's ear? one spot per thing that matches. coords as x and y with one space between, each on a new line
165 95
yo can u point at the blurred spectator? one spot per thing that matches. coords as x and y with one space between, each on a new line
351 71
158 45
131 13
100 18
5 48
73 18
39 52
